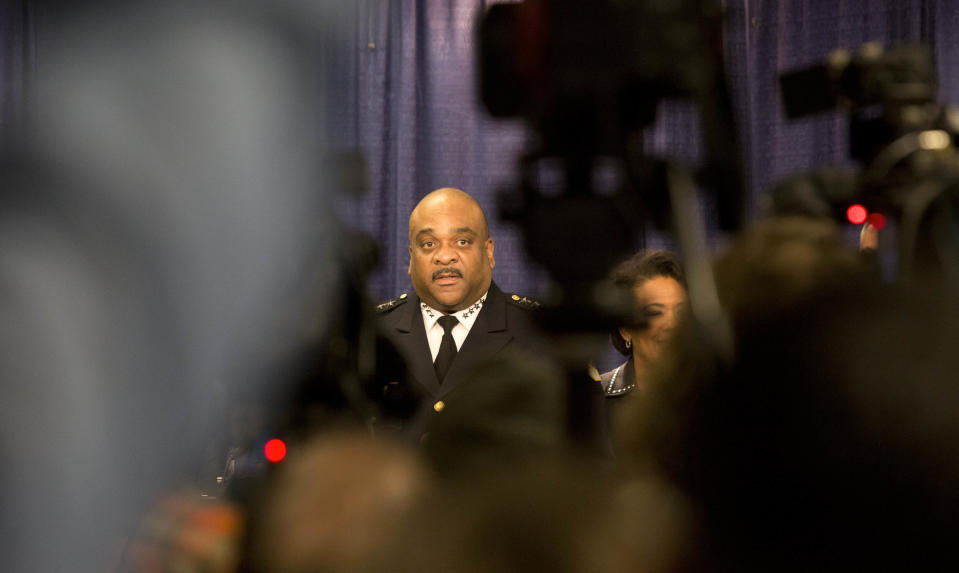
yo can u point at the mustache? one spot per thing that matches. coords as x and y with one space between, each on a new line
447 271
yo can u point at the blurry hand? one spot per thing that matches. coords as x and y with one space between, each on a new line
868 238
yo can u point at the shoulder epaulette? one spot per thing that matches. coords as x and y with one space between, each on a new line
392 303
524 302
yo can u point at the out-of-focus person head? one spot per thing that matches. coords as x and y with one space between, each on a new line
157 219
335 504
658 287
451 252
509 410
543 516
829 442
781 262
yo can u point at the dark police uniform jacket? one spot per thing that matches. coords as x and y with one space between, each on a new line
503 322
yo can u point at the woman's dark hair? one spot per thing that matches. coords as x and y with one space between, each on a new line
639 268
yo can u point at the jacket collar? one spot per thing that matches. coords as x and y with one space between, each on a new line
488 335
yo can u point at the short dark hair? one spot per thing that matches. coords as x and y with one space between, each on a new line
636 270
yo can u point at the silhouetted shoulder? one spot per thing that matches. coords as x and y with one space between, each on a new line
385 307
523 302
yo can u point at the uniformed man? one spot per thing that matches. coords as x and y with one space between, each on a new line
456 315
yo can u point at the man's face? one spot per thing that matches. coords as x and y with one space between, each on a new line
451 254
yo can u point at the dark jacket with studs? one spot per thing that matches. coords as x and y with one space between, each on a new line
503 325
504 322
619 381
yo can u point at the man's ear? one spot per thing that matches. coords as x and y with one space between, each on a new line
489 252
409 269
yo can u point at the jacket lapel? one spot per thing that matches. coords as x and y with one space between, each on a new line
487 336
411 340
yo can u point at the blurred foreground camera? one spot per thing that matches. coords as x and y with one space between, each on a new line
587 79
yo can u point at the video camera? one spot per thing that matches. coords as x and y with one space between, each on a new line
587 79
903 138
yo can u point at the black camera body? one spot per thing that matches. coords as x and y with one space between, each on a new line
587 78
903 138
888 93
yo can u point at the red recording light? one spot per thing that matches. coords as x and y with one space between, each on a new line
856 214
876 220
275 450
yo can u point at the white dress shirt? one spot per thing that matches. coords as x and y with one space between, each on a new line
434 332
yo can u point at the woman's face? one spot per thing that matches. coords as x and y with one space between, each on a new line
661 302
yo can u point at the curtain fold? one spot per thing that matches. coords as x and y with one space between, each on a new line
17 60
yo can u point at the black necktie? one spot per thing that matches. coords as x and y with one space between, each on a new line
444 358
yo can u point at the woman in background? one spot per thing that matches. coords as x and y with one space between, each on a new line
658 285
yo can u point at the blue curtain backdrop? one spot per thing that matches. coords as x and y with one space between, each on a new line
401 76
405 93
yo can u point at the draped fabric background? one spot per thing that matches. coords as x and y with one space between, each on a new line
17 43
401 76
405 92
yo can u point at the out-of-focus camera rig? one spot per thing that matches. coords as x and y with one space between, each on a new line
587 78
903 138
